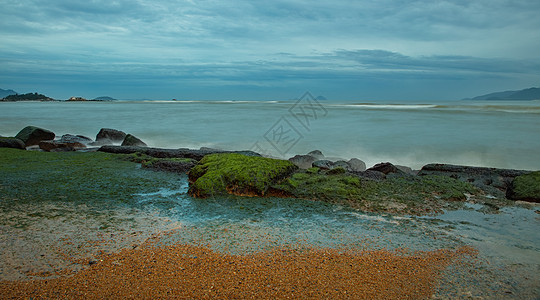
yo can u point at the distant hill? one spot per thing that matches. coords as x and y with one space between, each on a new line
525 94
5 93
104 98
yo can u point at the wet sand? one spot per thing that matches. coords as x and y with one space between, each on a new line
195 271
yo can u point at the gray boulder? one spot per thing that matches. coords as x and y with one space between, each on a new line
109 136
11 142
303 161
317 154
356 165
131 140
31 135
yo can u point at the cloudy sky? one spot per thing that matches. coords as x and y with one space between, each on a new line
215 49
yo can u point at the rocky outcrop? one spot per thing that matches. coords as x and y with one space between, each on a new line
107 136
169 153
32 135
303 161
525 187
237 174
131 140
55 146
491 180
11 142
171 165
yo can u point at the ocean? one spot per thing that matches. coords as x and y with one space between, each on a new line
478 133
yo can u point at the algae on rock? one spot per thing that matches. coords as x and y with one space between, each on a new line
526 187
237 174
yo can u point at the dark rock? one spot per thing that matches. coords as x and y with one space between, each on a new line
323 164
303 161
131 140
317 154
31 135
172 166
525 187
11 142
491 180
69 138
357 165
385 168
59 146
110 136
169 153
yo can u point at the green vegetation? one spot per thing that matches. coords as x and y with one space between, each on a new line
404 194
527 187
232 173
27 97
90 178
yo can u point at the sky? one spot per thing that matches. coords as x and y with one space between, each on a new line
269 50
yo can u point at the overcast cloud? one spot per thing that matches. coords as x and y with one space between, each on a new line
365 50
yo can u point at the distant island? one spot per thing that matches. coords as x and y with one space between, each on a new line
525 94
27 97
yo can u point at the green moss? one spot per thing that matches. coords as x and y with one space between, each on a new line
405 194
91 178
335 171
231 173
148 161
527 187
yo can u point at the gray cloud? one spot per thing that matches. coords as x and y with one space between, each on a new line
271 43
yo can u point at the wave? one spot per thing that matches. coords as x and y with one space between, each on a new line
505 108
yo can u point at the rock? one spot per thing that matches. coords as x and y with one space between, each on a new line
11 142
491 180
525 187
59 146
406 170
131 140
303 161
371 174
69 138
237 174
77 99
341 164
323 164
385 168
109 136
356 165
317 154
31 135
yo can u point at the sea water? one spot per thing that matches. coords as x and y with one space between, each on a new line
479 133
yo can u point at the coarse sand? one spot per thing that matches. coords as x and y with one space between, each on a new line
188 271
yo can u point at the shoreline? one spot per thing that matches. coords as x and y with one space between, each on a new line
72 177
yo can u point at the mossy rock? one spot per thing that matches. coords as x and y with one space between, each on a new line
237 174
32 135
525 187
11 142
398 194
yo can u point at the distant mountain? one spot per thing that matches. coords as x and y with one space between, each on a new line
5 93
525 94
104 98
